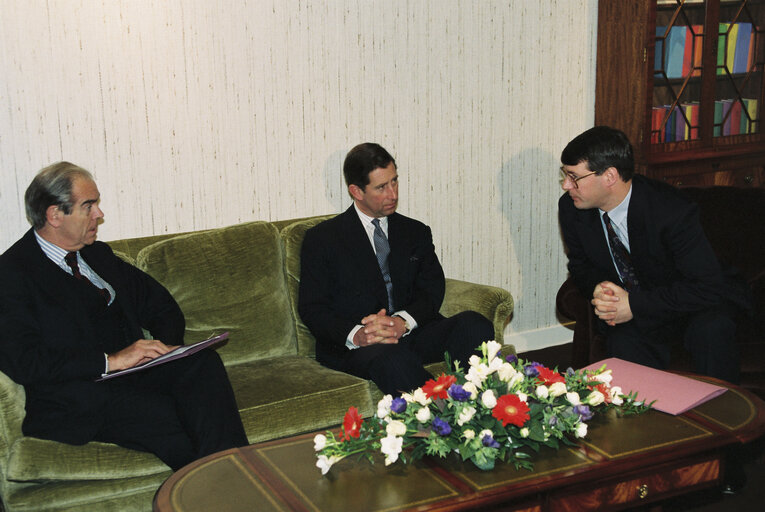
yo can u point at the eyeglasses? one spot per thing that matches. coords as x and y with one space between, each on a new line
564 175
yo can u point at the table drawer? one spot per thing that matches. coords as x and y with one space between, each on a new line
650 486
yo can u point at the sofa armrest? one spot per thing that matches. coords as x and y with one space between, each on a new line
12 400
589 345
494 303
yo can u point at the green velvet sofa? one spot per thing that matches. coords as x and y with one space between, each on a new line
242 279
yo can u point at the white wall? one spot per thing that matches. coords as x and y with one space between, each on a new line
201 113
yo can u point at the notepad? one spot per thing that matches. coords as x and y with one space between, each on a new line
673 394
178 353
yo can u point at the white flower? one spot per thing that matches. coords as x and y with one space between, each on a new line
396 428
383 406
506 372
484 433
495 365
477 374
319 442
466 415
408 397
557 389
542 392
423 415
468 434
616 398
492 349
420 397
474 360
324 462
471 388
573 398
595 398
581 430
391 447
488 399
523 397
524 432
605 377
515 380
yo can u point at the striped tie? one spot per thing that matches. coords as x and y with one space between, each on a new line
382 251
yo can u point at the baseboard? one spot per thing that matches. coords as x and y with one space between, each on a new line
541 338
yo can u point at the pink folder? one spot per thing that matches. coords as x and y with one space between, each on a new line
674 394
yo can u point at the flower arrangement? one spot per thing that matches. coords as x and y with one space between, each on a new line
496 409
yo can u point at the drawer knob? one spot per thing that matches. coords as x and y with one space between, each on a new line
748 179
642 491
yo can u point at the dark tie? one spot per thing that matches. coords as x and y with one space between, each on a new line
621 257
382 251
71 260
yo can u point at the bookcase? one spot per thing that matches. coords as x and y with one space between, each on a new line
684 79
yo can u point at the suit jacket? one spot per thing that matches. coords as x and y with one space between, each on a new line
341 281
675 265
48 341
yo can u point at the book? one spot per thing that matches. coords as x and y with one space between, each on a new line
698 47
730 47
718 115
735 118
178 353
726 118
743 47
675 51
722 38
658 56
673 394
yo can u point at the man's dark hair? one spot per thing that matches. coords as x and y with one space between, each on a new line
363 159
601 147
52 187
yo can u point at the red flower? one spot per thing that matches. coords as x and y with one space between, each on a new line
548 376
438 388
351 424
511 410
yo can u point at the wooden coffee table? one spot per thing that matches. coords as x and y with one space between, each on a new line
624 461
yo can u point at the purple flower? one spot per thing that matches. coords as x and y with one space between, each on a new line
398 405
458 393
512 359
530 370
552 421
583 411
441 427
489 441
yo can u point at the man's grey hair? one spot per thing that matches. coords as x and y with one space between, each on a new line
52 187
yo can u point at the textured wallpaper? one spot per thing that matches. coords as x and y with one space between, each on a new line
194 114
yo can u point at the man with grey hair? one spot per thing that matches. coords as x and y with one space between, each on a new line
71 311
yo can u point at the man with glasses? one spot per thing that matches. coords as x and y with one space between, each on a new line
637 249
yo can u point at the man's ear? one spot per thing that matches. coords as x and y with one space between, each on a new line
356 192
612 175
53 215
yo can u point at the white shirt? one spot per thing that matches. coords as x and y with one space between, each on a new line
618 217
369 228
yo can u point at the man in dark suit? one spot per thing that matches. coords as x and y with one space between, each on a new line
371 285
637 248
71 311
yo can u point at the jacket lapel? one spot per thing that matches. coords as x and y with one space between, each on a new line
357 243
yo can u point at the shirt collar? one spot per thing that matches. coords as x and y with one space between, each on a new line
51 250
618 215
366 220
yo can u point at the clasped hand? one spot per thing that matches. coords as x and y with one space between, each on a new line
139 352
379 328
611 303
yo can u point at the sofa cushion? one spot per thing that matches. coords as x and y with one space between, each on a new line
288 395
292 236
228 279
41 460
